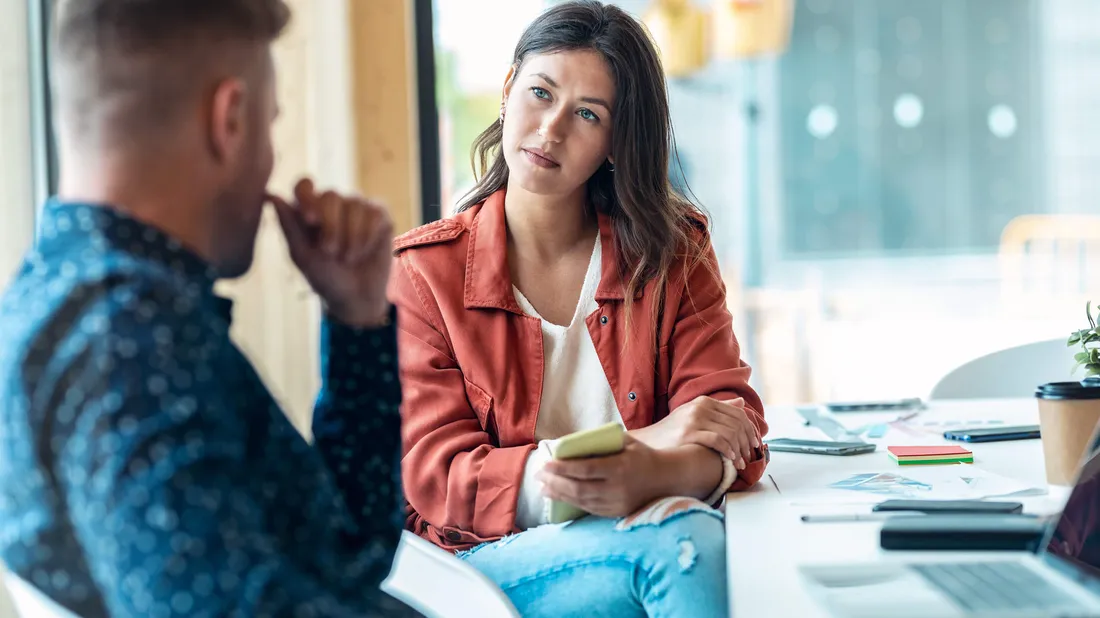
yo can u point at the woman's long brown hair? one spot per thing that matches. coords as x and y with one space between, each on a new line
651 221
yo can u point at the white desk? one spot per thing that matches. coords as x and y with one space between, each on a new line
766 540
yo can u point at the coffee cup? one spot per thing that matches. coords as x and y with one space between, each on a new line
1068 416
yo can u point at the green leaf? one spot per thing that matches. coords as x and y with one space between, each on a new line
1094 355
1073 340
1088 313
1092 369
1081 357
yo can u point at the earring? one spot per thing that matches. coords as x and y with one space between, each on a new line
503 103
611 167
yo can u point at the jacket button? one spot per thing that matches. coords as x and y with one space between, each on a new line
453 536
603 319
631 396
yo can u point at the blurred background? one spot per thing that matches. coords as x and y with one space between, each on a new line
886 178
895 186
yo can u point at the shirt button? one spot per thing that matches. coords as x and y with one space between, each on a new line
603 319
453 536
631 396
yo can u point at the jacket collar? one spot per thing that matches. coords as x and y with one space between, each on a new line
488 280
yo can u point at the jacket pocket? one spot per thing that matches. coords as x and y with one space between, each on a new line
482 404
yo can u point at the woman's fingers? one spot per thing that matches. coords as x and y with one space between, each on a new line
715 441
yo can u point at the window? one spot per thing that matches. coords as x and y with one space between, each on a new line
16 187
908 127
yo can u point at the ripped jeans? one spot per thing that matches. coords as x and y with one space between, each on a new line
660 564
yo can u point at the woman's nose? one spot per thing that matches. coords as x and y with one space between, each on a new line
552 128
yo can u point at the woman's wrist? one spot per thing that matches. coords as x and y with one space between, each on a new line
689 470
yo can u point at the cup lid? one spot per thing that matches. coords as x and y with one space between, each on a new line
1088 389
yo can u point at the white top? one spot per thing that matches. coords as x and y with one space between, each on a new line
575 393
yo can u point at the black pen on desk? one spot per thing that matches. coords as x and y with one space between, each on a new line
850 517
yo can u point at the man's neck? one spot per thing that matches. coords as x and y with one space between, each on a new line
148 195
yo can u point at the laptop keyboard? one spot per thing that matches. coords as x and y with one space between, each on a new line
984 586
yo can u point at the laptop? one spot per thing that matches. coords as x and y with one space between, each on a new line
1061 579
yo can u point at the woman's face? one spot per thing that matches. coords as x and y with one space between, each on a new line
557 121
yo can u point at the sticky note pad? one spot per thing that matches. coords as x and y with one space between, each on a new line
917 455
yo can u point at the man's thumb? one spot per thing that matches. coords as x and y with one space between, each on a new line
291 222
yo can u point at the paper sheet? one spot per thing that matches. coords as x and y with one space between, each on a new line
957 482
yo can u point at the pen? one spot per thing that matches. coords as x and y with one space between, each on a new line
845 517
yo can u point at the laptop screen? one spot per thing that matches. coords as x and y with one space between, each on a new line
1076 536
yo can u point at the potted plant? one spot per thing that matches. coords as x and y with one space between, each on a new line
1089 342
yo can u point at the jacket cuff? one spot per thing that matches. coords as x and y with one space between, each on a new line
498 490
729 475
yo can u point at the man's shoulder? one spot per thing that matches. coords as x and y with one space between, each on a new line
92 307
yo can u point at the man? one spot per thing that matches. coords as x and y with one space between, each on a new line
144 468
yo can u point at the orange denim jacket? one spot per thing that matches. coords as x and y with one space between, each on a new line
471 366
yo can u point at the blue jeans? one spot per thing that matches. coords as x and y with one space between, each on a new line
590 568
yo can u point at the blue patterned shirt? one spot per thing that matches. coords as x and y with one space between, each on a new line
146 471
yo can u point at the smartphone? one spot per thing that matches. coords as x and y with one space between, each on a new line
949 506
603 440
819 447
598 442
993 434
877 406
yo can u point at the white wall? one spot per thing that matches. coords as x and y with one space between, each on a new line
16 207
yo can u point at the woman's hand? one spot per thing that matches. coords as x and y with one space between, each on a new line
719 425
612 486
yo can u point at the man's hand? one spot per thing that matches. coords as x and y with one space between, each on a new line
720 425
612 486
342 244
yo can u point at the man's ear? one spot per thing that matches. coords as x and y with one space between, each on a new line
227 119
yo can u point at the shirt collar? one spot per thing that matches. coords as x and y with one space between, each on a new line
90 229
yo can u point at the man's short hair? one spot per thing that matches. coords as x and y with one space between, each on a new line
131 60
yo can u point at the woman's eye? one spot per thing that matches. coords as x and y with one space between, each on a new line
540 93
587 114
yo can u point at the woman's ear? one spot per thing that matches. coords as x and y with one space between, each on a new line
509 79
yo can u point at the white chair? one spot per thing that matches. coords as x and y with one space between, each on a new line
30 602
438 585
1014 372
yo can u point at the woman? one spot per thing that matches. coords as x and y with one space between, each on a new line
573 288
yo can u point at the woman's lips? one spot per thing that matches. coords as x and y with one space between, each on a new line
540 158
